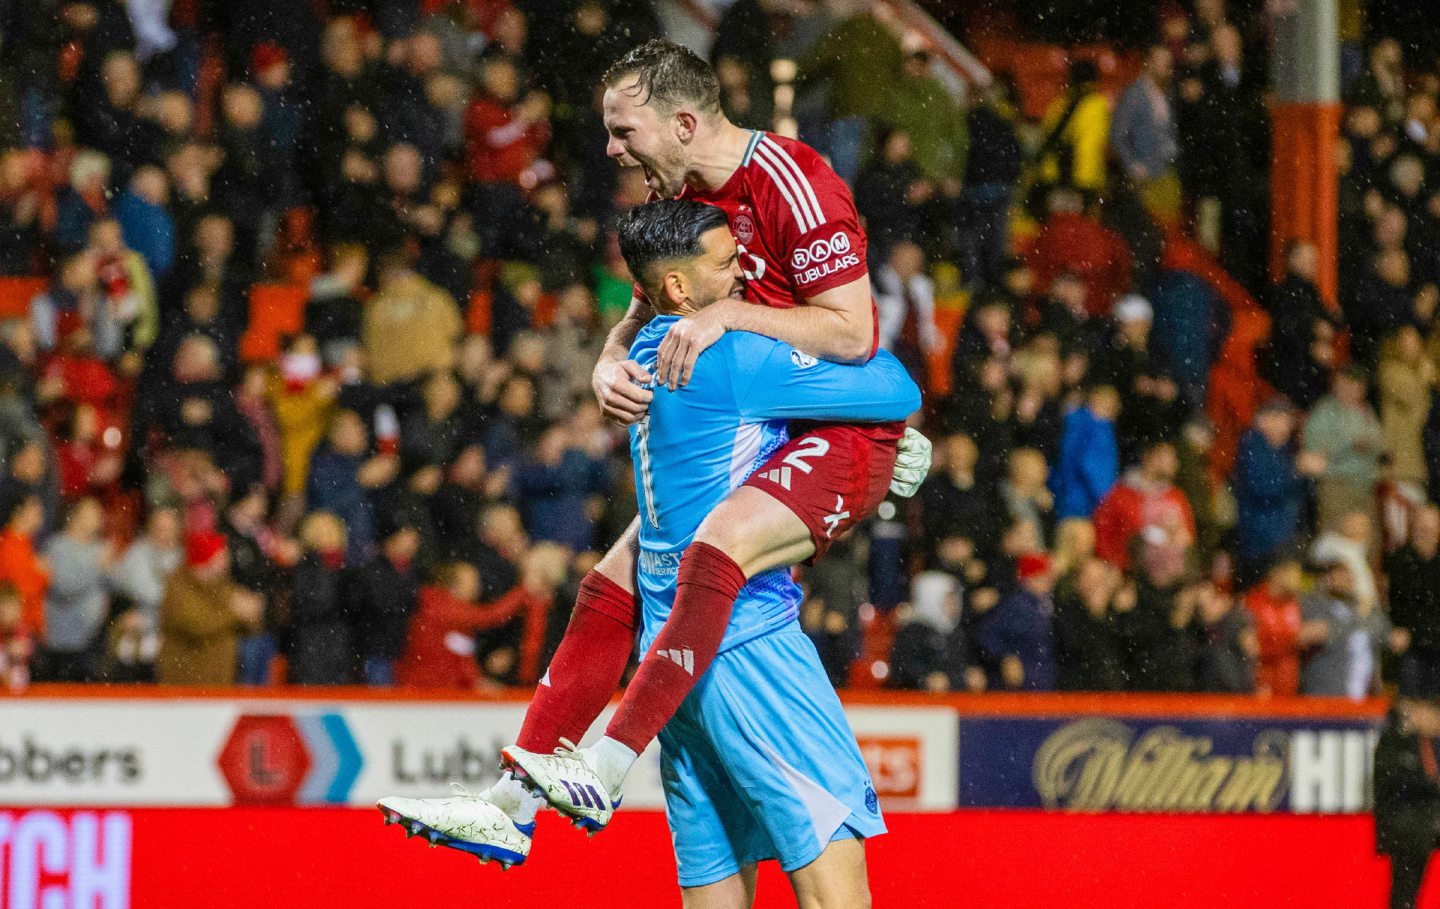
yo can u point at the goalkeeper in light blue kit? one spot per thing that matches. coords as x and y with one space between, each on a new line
759 762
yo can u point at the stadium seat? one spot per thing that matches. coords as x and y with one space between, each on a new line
275 311
948 319
477 313
16 294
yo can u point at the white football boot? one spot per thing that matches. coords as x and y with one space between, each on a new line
568 780
470 823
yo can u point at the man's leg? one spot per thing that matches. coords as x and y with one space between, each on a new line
497 824
1407 874
585 671
813 490
835 880
748 533
735 892
593 654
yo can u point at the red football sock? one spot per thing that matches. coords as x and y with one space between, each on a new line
586 668
705 592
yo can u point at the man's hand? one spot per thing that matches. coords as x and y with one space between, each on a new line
687 340
1012 671
380 470
247 606
617 386
1310 463
1399 640
912 463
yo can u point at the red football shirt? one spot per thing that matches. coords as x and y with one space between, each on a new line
794 220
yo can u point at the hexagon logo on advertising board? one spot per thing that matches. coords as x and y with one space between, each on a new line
265 760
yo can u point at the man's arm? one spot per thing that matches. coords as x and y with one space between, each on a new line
1122 131
776 381
837 324
617 380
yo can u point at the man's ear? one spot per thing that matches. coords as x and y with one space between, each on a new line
685 125
677 289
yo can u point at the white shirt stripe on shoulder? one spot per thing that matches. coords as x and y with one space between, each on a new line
808 192
801 217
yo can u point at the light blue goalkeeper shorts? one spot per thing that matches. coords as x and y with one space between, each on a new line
760 763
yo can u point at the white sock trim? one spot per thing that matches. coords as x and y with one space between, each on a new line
515 800
613 761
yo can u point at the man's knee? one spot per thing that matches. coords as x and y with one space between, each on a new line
838 898
757 531
618 564
836 880
735 892
725 528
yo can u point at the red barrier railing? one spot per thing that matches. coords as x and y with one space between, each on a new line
993 704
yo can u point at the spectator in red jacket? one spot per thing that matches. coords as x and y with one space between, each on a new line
505 133
1071 240
440 649
1275 605
1146 503
20 565
17 643
87 454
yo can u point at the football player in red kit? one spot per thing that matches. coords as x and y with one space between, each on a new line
803 254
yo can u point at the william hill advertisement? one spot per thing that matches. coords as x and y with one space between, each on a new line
1171 765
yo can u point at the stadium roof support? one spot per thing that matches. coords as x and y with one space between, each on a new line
1305 73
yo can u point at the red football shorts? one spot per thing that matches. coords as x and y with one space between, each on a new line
831 475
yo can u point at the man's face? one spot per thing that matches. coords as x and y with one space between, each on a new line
715 274
1349 391
121 75
348 435
1105 404
1339 582
641 135
501 81
106 237
961 453
1304 260
215 236
1161 65
1287 579
1426 533
1277 426
1070 291
1225 43
1136 331
1355 527
1161 464
79 274
164 529
404 170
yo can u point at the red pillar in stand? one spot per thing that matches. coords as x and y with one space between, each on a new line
1305 124
1304 186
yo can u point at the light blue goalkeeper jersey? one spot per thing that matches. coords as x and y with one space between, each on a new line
700 442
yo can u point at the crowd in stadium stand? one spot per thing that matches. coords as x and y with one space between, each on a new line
404 486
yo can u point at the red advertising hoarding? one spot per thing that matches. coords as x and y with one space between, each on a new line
116 799
241 858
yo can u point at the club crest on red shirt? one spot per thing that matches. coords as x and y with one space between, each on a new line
744 227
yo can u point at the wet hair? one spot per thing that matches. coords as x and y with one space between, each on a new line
666 230
669 74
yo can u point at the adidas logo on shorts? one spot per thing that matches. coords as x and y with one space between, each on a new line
779 476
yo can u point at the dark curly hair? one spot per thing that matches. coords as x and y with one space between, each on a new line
667 230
